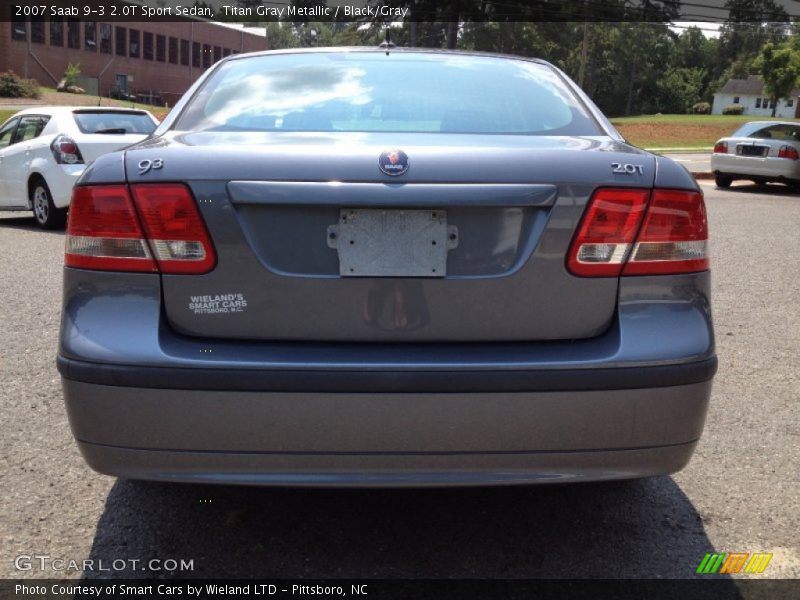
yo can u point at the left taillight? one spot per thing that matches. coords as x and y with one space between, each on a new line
156 228
65 151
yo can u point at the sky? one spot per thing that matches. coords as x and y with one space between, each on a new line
710 30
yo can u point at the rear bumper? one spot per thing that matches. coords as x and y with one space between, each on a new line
145 402
768 168
418 437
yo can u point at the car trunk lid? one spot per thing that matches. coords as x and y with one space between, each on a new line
271 202
93 146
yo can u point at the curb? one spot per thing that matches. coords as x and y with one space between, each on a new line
680 150
703 175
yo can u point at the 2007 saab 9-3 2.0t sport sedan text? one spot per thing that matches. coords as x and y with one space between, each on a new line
386 267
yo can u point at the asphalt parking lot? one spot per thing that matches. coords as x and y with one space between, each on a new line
740 493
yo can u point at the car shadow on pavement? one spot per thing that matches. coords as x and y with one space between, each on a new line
27 223
645 528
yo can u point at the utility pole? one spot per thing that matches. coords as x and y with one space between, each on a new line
584 54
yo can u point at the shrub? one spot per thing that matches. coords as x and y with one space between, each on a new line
71 74
12 86
733 109
30 88
701 108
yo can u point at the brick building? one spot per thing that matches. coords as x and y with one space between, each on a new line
159 59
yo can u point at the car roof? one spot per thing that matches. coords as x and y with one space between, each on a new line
383 49
765 123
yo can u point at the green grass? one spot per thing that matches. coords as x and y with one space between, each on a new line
685 132
732 120
6 114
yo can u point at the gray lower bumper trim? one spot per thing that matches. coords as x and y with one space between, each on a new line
386 470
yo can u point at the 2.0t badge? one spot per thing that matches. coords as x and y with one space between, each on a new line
393 162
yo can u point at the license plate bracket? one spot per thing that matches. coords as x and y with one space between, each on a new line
392 242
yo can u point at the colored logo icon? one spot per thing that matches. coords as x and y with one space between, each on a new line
393 162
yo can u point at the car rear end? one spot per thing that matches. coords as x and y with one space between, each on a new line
79 136
355 287
764 151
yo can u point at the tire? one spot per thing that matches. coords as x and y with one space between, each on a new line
47 215
723 181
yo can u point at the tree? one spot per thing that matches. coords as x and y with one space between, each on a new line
779 67
750 25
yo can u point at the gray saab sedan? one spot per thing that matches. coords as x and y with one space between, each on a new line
386 267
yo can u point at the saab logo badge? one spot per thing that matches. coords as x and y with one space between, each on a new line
393 162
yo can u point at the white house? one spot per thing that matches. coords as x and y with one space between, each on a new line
750 94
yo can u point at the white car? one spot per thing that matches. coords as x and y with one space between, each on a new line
761 151
44 150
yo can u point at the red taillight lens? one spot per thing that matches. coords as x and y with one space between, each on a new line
673 236
103 231
174 228
720 148
607 232
65 151
106 233
789 152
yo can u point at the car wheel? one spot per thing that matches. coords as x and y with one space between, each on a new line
723 181
47 215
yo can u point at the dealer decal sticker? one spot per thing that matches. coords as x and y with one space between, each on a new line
218 304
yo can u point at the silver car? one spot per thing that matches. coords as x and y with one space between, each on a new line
386 267
761 151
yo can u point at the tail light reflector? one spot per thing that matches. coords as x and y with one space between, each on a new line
720 148
638 232
789 152
158 229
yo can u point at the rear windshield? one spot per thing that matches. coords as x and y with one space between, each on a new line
402 92
114 122
764 131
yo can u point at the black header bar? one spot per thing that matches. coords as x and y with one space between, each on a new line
395 11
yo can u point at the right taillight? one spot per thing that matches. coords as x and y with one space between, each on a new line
640 232
721 148
789 152
674 236
607 232
158 228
